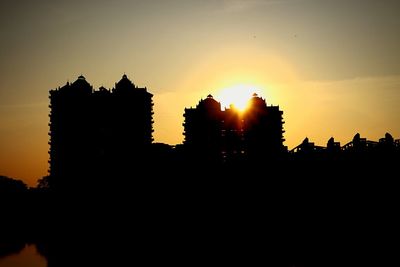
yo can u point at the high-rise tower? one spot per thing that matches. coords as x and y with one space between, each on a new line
98 132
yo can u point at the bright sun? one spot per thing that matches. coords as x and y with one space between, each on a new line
237 95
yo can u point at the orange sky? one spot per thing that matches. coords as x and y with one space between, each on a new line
333 67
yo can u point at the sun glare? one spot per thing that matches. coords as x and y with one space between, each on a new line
237 95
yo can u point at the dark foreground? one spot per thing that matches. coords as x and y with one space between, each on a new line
291 215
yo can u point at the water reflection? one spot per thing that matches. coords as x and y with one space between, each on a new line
23 255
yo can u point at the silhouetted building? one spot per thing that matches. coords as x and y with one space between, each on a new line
95 132
263 129
332 146
228 135
359 147
233 148
358 150
307 150
203 129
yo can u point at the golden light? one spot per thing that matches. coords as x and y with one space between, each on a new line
237 95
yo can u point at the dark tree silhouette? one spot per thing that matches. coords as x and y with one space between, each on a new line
10 185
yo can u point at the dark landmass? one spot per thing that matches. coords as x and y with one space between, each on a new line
304 211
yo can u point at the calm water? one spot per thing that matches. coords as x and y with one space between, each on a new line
27 257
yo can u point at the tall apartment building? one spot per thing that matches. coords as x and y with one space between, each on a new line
98 132
225 135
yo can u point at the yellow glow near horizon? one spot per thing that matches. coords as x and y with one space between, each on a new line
237 95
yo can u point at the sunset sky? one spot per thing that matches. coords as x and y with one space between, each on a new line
333 67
